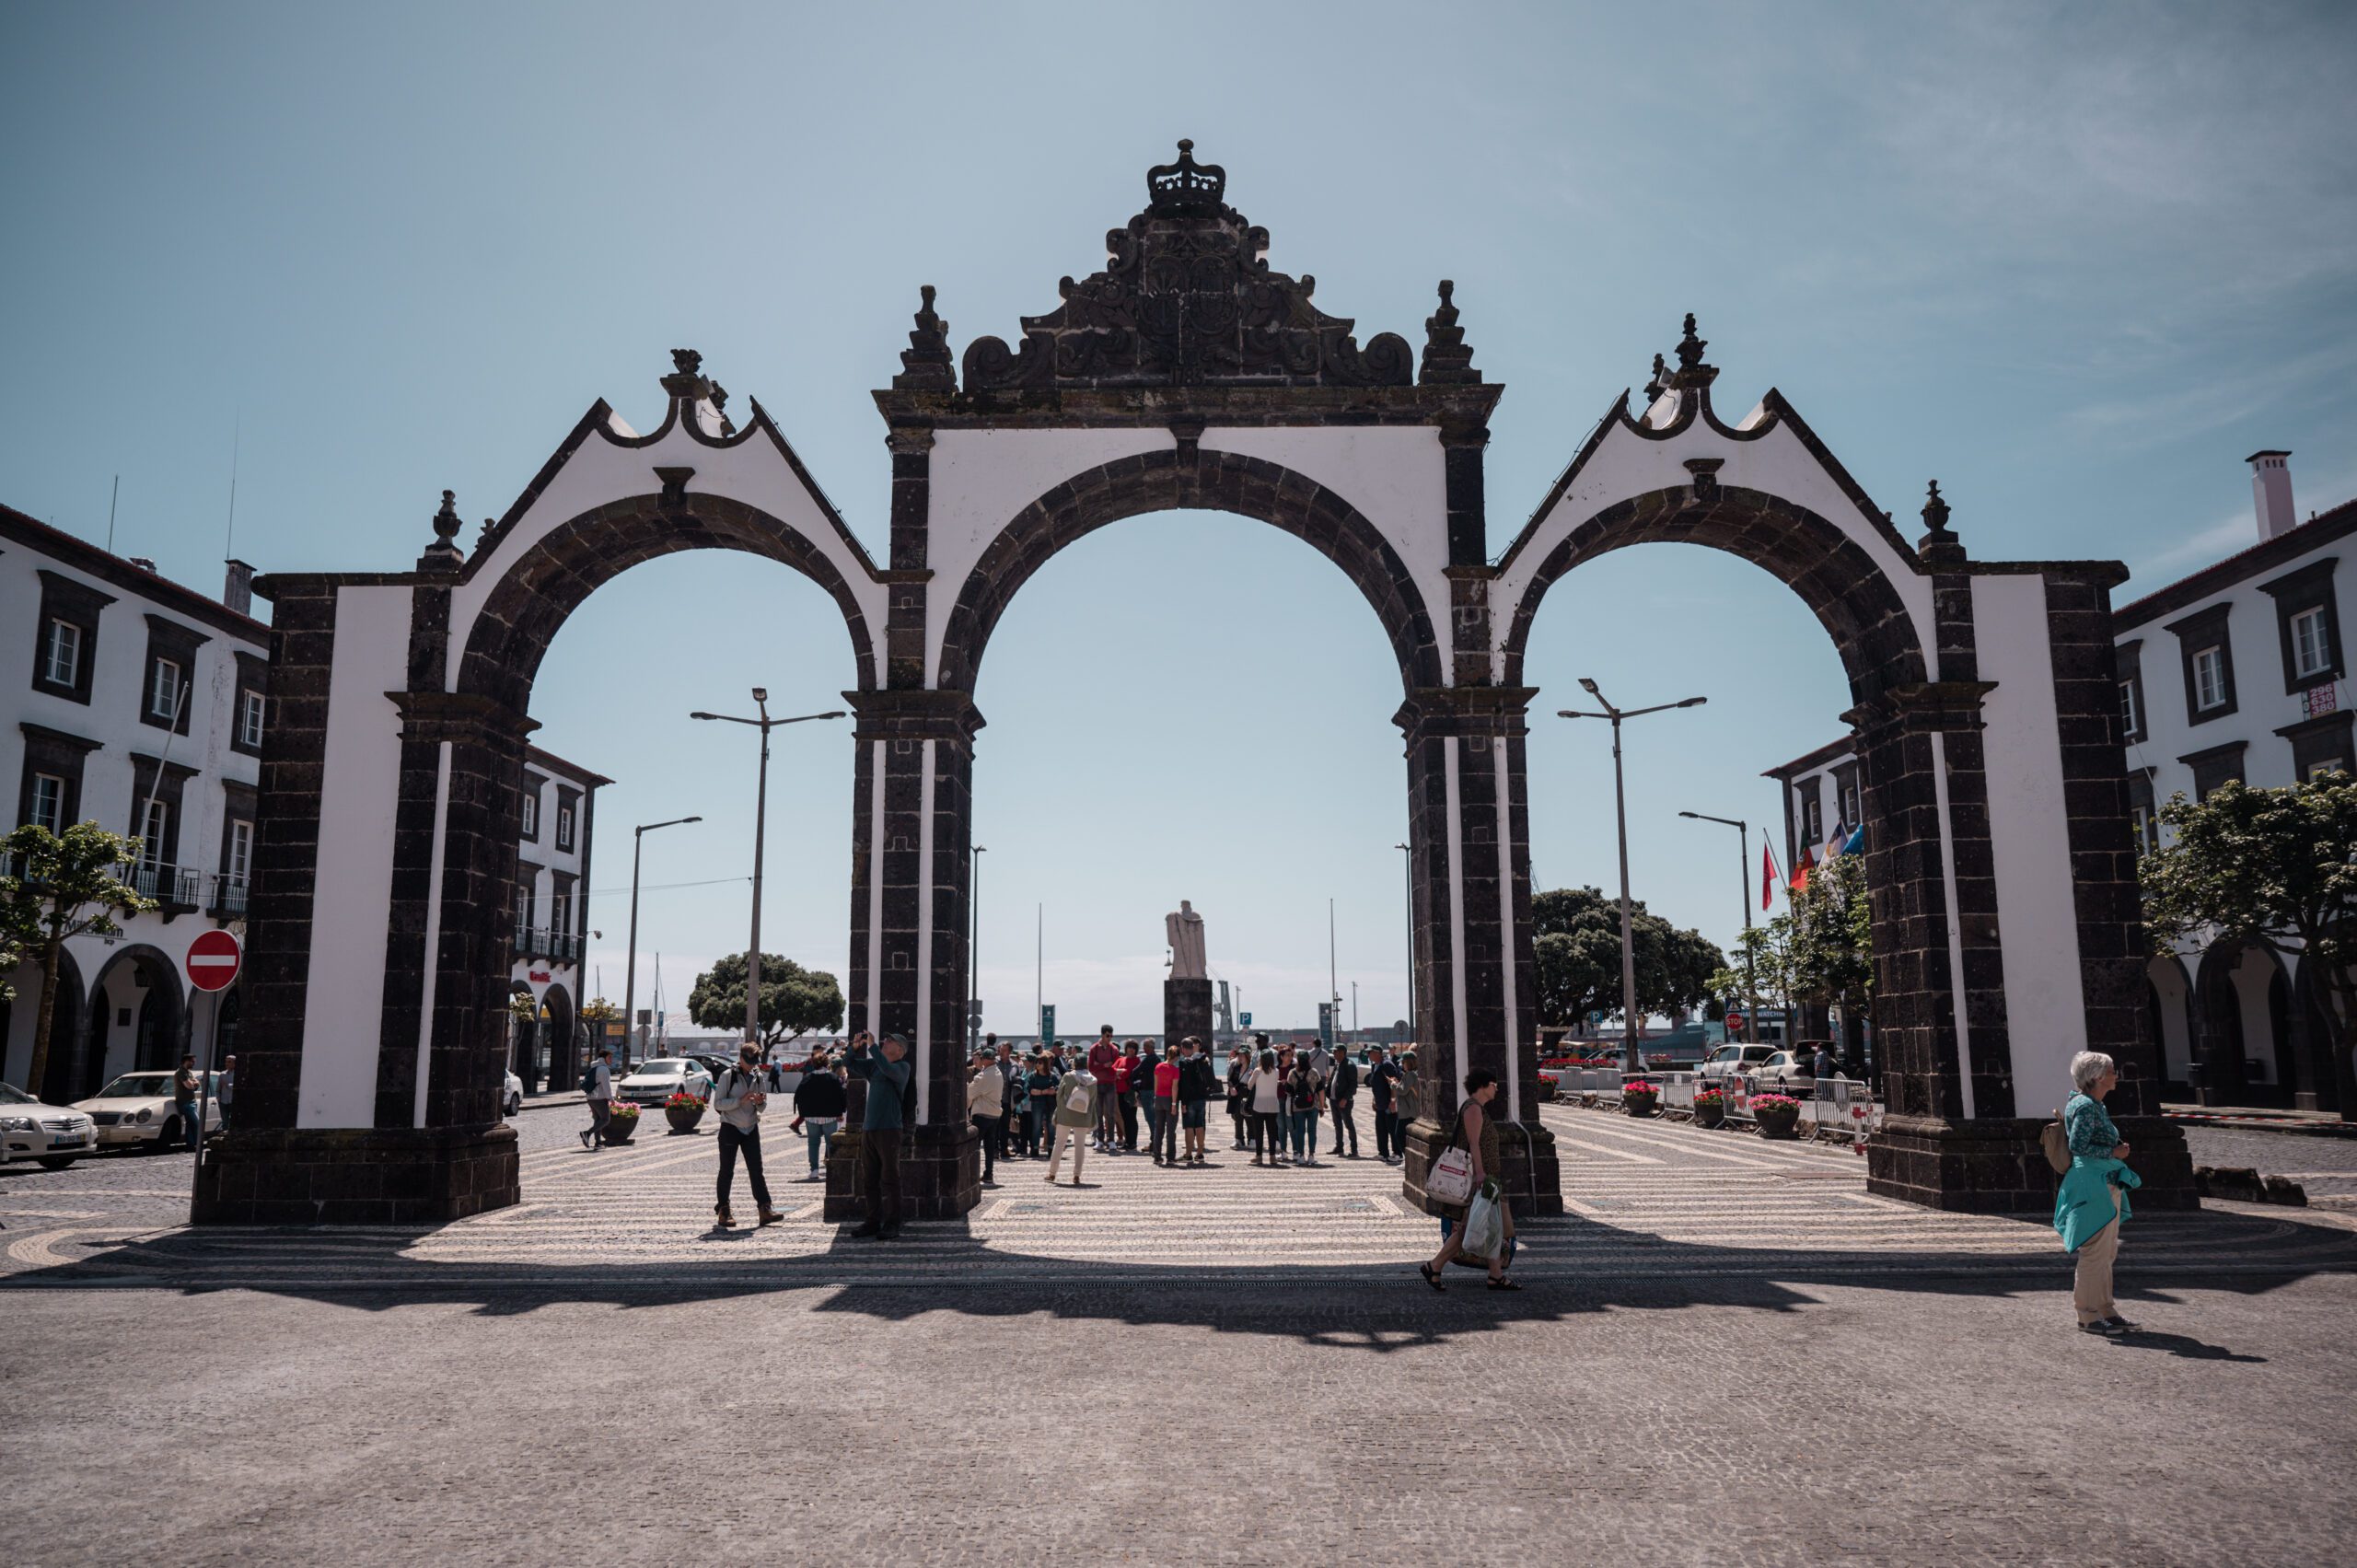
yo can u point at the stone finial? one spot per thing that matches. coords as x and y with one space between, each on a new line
443 554
1447 359
490 526
925 364
686 379
1691 371
1186 185
1939 546
1660 382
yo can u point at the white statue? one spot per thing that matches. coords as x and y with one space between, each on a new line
1184 930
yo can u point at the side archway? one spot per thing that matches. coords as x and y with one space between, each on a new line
138 1016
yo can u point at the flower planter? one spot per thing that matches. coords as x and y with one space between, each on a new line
1710 1113
621 1129
683 1119
1779 1123
1640 1105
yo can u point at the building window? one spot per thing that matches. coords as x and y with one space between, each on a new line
2308 619
2321 745
66 636
2218 766
560 910
153 832
2209 679
532 821
564 828
240 864
250 719
2310 648
164 690
2130 711
61 659
2128 664
2141 818
47 809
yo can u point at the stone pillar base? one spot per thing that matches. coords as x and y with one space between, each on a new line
941 1174
1186 1010
1531 1177
1995 1165
357 1174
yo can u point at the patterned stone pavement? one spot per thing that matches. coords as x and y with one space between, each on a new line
1728 1352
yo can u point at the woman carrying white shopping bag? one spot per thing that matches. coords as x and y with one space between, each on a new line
1462 1177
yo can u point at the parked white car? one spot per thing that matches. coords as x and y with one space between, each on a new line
511 1094
1729 1060
54 1134
654 1082
137 1109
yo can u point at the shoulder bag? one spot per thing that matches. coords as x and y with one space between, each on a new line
1450 1179
2055 1140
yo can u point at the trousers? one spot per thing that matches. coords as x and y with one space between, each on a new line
1345 1121
732 1141
879 1176
1077 1140
1387 1142
992 1128
2091 1283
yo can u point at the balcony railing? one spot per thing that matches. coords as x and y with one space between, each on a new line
228 896
172 886
563 947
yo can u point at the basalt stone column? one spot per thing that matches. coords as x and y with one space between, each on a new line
2113 949
1472 910
917 859
1186 1010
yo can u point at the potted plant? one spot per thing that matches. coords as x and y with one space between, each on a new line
683 1111
1779 1115
621 1122
1639 1097
1710 1108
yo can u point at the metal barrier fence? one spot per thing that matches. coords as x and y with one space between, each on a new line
1839 1108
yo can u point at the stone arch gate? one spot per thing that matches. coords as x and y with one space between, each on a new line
1185 373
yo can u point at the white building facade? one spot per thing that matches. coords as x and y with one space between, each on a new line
559 806
2236 673
139 704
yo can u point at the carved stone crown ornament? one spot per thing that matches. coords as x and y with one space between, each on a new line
1187 298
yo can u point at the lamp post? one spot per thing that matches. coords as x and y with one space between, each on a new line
973 954
630 978
1408 872
1621 811
1743 882
761 829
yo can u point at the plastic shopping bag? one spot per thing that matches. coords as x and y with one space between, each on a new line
1485 1229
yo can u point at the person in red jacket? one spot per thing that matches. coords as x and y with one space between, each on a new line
1102 1056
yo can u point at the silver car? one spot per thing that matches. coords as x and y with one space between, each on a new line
52 1134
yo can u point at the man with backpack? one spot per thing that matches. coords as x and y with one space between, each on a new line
891 1091
597 1089
1197 1084
738 1099
1305 1096
1342 1089
1080 1100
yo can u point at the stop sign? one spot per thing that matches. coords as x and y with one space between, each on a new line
213 960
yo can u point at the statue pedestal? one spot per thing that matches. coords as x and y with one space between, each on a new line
1186 1010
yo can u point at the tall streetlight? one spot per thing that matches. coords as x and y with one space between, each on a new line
761 827
1408 871
1621 811
630 978
1742 880
973 954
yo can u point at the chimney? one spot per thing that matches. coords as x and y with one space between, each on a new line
238 587
2270 489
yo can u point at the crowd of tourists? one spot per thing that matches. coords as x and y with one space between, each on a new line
1061 1100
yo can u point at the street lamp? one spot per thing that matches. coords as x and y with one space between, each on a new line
1743 882
761 827
973 953
630 978
1620 812
1408 871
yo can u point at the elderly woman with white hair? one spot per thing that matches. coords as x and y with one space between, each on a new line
2093 1198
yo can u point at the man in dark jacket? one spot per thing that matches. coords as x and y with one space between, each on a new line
1342 1089
880 1130
819 1101
1382 1078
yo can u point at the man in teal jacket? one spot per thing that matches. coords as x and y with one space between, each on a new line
880 1134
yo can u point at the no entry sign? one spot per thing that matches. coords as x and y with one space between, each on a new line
212 960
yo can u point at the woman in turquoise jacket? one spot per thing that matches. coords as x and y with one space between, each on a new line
2093 1199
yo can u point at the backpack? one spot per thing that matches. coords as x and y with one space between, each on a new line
589 1078
1077 1098
2054 1141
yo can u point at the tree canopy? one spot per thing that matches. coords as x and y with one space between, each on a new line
2276 867
54 885
794 999
1577 937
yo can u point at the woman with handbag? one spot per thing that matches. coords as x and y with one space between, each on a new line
1468 1176
1265 1092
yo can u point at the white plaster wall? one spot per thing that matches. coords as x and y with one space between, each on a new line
2029 839
1397 477
1627 464
351 899
980 479
753 471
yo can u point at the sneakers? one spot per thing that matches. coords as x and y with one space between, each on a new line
586 1133
2110 1328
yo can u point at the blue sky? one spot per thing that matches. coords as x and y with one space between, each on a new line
2076 262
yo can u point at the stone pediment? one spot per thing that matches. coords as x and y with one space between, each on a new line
1187 298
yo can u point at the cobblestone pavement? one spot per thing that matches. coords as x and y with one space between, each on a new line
1727 1352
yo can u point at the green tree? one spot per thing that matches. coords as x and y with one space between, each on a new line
794 999
58 886
2274 867
1829 958
1577 941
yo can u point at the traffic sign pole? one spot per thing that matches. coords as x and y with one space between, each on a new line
211 965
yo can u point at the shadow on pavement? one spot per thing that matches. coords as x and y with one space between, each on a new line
941 1266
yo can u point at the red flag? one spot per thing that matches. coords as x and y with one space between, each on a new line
1800 872
1769 876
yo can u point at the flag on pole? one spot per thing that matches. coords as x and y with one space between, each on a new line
1800 872
1857 839
1837 842
1768 874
